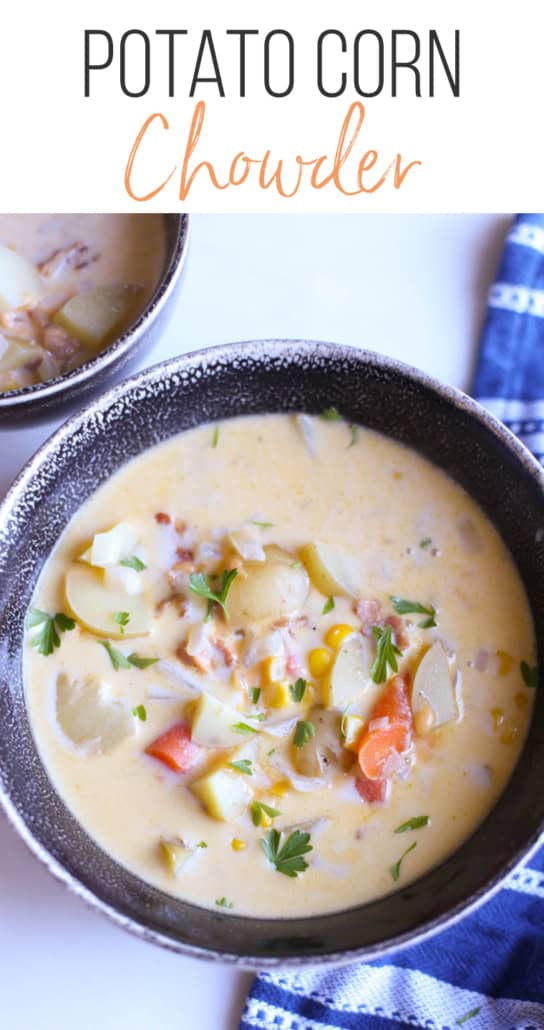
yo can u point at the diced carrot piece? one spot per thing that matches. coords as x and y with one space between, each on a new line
371 790
381 744
175 748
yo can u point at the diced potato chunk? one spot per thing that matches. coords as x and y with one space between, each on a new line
331 572
213 721
270 590
17 354
96 316
108 548
224 794
349 675
352 728
175 854
433 686
20 282
94 605
308 759
89 716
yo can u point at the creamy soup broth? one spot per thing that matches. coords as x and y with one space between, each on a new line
194 506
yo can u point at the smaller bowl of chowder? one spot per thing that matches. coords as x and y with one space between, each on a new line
80 296
271 664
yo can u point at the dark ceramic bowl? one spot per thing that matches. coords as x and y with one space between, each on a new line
443 425
66 392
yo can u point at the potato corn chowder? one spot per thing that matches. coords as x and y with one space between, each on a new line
280 665
69 286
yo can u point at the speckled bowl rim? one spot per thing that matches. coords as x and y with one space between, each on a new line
22 400
263 350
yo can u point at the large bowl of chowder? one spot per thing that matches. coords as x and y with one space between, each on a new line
269 666
81 297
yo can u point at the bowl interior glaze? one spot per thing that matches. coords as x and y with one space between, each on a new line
210 385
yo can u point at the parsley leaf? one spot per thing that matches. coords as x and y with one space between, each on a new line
303 731
354 430
46 637
426 542
141 663
255 694
117 658
404 607
122 619
140 712
133 563
468 1015
331 415
202 844
243 766
258 809
413 824
298 689
395 869
223 903
262 525
242 727
328 606
386 654
198 583
215 436
287 856
529 674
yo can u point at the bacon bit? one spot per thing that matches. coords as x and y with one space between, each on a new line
162 518
371 791
221 645
293 664
180 526
290 622
193 660
181 604
59 342
398 627
185 555
368 610
74 256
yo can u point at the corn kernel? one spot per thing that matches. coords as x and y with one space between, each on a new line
497 715
352 727
278 695
505 662
266 821
280 789
336 635
273 669
319 660
237 844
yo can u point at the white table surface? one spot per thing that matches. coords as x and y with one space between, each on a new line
410 286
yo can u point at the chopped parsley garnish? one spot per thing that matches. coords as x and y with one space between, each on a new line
141 663
529 674
426 542
223 903
258 809
298 690
122 619
328 606
242 727
303 731
133 563
415 823
202 844
123 661
243 766
215 436
404 607
287 856
386 654
468 1015
198 583
262 525
395 869
46 637
255 694
140 712
331 415
354 430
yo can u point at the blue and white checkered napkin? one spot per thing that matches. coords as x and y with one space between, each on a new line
486 972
